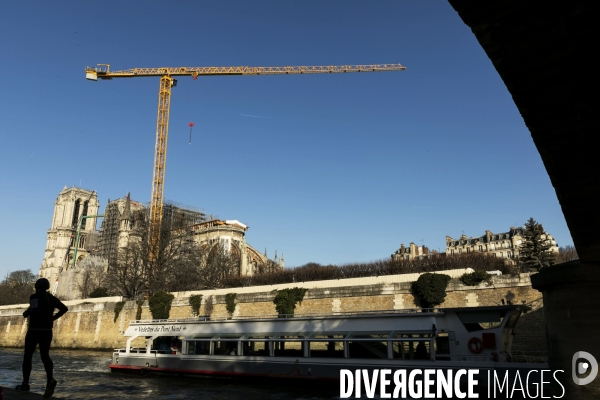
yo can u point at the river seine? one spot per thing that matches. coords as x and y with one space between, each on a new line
83 374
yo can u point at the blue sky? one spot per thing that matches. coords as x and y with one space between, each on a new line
332 168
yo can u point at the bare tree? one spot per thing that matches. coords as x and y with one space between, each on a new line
91 277
183 271
567 253
16 287
217 265
175 264
127 275
268 267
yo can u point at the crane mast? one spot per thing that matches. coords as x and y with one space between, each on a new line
160 163
102 71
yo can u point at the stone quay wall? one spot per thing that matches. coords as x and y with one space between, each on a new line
92 323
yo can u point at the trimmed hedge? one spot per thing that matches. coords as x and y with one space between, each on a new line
475 278
286 299
160 304
138 313
230 302
195 302
118 307
430 289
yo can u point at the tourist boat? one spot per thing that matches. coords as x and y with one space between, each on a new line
318 347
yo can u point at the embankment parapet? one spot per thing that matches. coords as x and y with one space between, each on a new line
91 323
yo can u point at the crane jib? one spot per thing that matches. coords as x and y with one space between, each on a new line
103 72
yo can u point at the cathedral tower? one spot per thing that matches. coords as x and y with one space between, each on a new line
125 223
71 205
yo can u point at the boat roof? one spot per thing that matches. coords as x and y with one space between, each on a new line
390 320
522 308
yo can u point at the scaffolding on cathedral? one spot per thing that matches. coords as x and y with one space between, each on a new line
109 232
175 216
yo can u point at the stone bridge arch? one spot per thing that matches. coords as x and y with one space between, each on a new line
543 52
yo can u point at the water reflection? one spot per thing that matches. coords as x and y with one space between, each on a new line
83 374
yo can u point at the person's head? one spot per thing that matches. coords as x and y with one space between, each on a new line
42 284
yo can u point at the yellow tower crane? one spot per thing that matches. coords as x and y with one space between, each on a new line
102 71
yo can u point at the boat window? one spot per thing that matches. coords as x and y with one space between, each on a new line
228 348
198 347
255 348
288 349
330 349
489 325
481 320
166 345
367 349
410 350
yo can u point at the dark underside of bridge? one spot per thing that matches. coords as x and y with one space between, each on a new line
543 52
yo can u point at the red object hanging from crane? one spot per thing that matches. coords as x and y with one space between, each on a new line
191 125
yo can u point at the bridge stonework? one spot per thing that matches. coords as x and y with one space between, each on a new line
91 323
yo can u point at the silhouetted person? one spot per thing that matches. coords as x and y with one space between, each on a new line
421 353
41 316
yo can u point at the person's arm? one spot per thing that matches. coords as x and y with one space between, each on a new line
62 309
27 312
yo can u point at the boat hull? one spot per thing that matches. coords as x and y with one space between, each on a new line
306 368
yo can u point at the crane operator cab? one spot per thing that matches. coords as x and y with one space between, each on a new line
91 73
